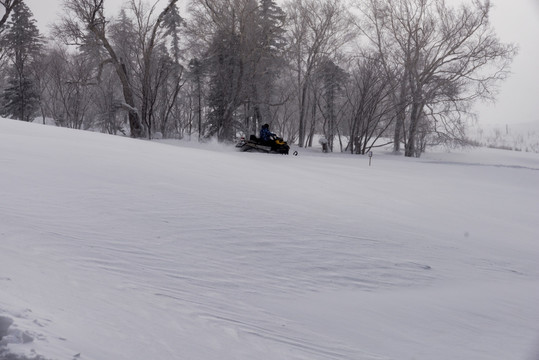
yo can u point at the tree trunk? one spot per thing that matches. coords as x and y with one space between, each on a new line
135 124
134 120
301 138
415 116
400 116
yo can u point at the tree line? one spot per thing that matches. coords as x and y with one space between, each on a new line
362 73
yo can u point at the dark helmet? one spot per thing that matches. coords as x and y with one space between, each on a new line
265 126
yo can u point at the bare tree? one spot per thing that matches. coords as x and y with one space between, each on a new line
68 88
448 57
371 109
8 6
82 15
108 115
151 58
318 29
89 15
373 24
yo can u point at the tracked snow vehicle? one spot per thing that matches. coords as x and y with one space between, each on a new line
277 145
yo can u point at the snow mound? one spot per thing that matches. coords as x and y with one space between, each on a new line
115 248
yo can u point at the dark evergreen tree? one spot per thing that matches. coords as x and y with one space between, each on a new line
332 77
272 20
23 44
196 77
268 58
173 23
20 99
226 73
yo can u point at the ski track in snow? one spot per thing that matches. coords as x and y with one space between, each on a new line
227 250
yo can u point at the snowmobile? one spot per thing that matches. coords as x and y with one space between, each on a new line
276 145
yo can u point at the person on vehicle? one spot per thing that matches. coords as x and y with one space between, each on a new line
266 135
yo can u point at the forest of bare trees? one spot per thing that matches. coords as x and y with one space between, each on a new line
361 73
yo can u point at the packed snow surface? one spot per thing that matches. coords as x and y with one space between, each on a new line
113 248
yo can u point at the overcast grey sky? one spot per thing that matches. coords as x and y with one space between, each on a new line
515 21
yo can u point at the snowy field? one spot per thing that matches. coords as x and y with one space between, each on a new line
520 136
113 248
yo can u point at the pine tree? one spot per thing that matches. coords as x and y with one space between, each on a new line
173 22
225 87
332 77
196 75
268 57
21 99
23 44
272 20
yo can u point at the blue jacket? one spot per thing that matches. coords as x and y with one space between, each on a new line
265 134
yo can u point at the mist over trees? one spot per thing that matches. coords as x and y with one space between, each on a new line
361 73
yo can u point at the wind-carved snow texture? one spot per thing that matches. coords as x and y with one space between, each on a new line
114 248
10 334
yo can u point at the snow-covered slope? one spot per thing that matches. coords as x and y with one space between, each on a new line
520 136
114 248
